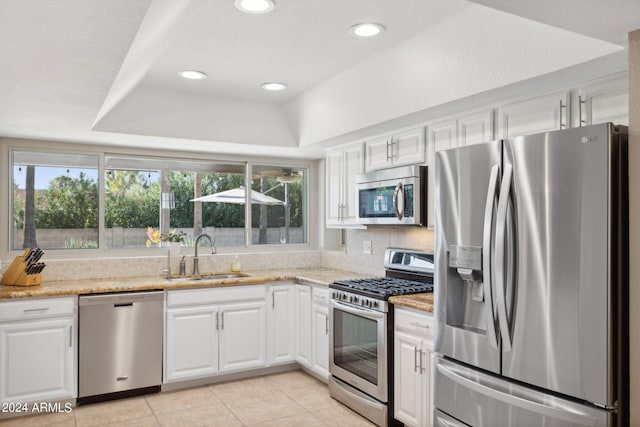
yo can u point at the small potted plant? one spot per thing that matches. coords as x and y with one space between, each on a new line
155 237
174 240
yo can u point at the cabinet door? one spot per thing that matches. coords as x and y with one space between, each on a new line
281 325
408 147
354 164
441 136
604 102
302 303
37 360
242 336
408 380
321 340
378 153
475 128
542 114
334 170
191 343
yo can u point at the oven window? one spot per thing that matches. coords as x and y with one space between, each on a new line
355 343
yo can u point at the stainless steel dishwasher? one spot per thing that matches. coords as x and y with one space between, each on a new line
120 345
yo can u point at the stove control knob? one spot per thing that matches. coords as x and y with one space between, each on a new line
374 304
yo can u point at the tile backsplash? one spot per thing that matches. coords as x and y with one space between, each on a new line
352 258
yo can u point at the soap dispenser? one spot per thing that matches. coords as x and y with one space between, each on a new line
235 264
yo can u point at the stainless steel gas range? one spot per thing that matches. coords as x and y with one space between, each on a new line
361 324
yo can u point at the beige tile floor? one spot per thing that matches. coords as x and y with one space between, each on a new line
287 399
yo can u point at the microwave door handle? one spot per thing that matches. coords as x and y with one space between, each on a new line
486 255
399 191
501 225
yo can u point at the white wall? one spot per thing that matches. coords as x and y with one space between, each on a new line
634 222
464 55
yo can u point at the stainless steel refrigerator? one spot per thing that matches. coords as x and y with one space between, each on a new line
531 281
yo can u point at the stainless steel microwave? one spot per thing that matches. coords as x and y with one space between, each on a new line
395 196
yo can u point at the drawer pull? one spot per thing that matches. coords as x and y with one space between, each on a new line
35 310
420 325
122 378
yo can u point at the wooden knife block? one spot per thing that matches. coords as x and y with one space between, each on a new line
17 276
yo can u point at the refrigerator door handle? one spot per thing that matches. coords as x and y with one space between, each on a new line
501 225
556 413
486 255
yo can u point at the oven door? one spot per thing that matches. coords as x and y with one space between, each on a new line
357 348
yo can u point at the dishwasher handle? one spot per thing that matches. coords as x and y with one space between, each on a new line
121 299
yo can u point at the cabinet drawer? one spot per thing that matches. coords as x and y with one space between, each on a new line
33 308
414 321
321 296
215 295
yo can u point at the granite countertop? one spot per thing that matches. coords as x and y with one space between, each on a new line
420 301
316 276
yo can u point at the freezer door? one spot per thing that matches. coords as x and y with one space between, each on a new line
477 399
560 324
467 182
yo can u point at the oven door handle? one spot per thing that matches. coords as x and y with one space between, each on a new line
358 311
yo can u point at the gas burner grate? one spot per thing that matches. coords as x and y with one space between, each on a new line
384 286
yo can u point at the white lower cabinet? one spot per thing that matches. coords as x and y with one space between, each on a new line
191 342
413 344
242 336
302 311
320 332
38 350
214 330
312 328
281 324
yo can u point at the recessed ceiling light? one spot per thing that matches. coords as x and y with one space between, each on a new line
274 86
255 6
366 30
193 74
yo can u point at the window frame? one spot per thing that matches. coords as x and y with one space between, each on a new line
6 195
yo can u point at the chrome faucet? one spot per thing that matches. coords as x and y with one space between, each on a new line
196 269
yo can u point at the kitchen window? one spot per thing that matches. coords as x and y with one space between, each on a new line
119 202
147 196
279 205
55 200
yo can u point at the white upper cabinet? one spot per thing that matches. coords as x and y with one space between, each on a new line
443 135
398 149
342 166
603 102
541 114
475 128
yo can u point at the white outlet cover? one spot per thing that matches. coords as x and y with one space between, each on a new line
366 247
